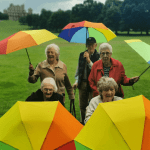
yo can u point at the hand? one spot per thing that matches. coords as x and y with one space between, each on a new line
31 67
75 85
86 55
134 79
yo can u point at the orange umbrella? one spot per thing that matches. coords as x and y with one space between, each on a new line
24 39
37 125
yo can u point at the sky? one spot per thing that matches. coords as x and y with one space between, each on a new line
38 5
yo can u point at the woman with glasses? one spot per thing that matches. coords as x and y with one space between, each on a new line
110 67
47 92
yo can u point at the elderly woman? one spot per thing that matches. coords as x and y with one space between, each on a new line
110 67
53 67
107 88
47 92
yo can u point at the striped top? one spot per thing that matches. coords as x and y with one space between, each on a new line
106 71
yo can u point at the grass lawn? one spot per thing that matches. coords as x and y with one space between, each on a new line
14 66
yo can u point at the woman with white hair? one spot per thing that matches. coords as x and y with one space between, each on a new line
48 92
107 87
52 67
110 67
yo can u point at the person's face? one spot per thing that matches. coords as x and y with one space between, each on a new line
108 95
51 54
105 55
47 90
91 47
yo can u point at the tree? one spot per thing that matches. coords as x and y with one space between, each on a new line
29 20
113 18
58 20
140 18
35 21
3 16
44 16
23 20
127 22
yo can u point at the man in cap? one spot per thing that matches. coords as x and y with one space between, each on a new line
86 60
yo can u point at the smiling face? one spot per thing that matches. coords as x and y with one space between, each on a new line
51 54
108 94
47 90
105 55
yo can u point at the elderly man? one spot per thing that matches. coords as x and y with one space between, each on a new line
86 60
110 67
47 92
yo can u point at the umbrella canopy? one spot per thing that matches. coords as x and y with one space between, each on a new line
141 48
80 31
119 125
24 39
37 125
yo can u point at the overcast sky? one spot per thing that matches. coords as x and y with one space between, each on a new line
37 5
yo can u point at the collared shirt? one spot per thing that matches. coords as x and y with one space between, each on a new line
59 73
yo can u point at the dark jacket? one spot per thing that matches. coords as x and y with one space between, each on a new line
81 67
38 96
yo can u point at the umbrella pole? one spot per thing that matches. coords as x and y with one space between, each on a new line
28 56
144 71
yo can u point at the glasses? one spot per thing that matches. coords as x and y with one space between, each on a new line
107 53
46 90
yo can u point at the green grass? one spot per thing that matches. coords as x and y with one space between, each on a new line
14 66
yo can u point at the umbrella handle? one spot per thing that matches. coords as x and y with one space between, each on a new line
28 56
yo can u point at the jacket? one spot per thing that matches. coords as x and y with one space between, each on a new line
82 63
116 71
38 96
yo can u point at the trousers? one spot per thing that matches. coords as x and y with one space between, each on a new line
84 98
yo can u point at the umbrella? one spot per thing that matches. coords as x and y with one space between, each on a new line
24 39
142 49
80 31
37 126
118 125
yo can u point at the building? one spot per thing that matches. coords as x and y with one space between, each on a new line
15 12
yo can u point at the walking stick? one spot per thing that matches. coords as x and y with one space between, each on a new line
73 112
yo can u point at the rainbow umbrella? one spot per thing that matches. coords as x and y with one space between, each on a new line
80 31
24 39
37 126
142 49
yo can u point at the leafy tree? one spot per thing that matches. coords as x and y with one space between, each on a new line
29 20
58 20
35 21
89 11
23 20
44 16
127 22
3 16
140 18
113 18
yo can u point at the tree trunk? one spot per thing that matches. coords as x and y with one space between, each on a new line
116 32
128 32
147 32
141 31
